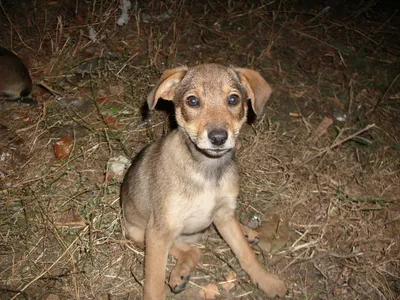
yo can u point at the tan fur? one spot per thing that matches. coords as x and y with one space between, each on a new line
178 186
15 81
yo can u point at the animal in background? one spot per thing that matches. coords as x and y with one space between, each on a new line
15 81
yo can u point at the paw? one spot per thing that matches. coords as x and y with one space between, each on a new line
272 286
251 236
274 233
179 278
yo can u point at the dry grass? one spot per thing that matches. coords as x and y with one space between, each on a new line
60 220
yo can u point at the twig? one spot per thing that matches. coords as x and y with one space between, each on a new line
310 36
351 98
302 117
52 265
340 142
385 94
41 119
320 14
13 27
48 88
126 63
386 22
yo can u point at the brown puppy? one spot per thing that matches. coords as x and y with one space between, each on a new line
178 186
15 81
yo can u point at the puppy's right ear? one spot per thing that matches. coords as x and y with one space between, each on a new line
165 87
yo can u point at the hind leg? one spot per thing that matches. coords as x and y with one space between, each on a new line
186 255
187 258
134 233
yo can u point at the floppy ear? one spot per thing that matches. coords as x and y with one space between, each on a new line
258 90
165 87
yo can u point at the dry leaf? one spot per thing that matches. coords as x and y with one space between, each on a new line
395 96
71 219
230 281
115 90
330 52
112 122
323 126
63 147
210 291
337 102
104 100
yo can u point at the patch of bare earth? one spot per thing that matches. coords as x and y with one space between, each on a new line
324 158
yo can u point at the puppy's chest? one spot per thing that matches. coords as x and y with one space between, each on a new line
198 205
199 211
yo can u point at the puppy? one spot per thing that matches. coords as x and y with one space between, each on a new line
181 184
15 81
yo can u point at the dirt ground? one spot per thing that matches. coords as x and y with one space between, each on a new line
320 167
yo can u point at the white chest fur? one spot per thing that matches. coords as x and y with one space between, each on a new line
197 206
199 211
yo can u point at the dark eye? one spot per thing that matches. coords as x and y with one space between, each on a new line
233 100
193 101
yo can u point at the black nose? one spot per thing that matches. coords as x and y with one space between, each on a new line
218 136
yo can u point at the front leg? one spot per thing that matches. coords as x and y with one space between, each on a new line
229 228
156 255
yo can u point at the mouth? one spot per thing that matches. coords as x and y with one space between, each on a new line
215 152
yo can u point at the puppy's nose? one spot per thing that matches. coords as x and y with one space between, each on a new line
218 136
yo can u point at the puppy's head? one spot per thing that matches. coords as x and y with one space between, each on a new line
211 102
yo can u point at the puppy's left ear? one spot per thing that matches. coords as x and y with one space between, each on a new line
258 90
